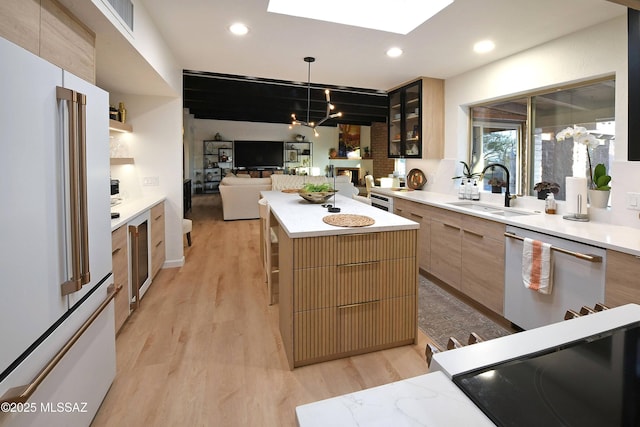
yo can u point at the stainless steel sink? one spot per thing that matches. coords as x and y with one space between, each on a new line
490 209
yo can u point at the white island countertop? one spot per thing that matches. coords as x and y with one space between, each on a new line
129 209
425 400
609 236
299 218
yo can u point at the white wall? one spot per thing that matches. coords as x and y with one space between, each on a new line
197 130
597 51
156 146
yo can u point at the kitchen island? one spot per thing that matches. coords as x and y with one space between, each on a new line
343 290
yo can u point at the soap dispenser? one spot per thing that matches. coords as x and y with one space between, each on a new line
475 191
461 191
467 190
550 204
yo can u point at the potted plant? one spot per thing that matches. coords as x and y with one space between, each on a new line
496 184
545 187
599 194
366 151
466 172
333 153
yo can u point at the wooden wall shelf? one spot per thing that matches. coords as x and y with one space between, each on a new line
119 126
121 160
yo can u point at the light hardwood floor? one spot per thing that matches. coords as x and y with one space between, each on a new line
204 348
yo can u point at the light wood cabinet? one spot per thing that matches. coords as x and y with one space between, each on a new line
158 244
347 294
463 251
48 29
446 246
120 265
20 23
421 214
621 279
483 261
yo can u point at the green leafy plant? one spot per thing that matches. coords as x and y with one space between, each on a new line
600 178
466 172
317 188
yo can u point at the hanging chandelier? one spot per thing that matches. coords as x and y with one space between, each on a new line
330 106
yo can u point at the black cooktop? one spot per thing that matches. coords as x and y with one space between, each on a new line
591 382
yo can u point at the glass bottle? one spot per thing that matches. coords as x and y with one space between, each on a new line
550 204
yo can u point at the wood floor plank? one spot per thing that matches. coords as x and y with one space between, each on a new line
204 348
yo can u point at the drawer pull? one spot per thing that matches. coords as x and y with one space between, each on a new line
416 215
158 217
474 234
115 251
451 226
159 243
340 307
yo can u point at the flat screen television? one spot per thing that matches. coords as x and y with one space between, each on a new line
258 154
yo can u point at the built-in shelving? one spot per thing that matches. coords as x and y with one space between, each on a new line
121 160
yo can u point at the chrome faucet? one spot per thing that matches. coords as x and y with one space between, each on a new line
507 195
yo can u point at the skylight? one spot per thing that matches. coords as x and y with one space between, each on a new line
394 16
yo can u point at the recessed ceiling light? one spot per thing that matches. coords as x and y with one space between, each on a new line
239 29
394 52
384 15
484 46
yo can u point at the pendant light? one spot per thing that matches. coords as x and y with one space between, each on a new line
330 106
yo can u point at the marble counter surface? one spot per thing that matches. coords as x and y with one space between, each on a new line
427 400
299 218
609 236
131 208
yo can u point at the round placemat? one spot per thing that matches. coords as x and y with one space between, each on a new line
348 220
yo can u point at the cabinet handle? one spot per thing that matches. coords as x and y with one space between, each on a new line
586 257
398 210
158 217
340 307
159 243
115 251
451 226
474 234
416 215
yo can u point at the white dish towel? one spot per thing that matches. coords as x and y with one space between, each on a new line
537 266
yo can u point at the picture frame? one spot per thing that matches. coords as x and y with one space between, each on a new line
291 155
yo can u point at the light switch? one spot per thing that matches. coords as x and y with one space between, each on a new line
633 201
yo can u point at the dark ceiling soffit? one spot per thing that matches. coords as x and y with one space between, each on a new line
240 98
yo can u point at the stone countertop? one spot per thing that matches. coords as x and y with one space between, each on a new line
609 236
299 218
129 209
425 400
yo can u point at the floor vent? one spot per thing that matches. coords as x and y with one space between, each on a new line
124 8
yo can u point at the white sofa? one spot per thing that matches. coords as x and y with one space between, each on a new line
240 195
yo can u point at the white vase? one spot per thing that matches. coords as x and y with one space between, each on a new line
598 198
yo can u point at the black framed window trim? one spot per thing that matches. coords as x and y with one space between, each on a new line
633 23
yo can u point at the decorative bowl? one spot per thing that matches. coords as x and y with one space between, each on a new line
316 197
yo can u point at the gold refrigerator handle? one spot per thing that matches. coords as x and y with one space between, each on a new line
135 265
85 275
75 282
21 394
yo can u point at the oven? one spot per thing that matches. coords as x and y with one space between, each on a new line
140 259
381 201
578 280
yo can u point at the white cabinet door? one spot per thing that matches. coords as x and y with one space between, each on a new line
30 218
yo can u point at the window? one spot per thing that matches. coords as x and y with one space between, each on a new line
500 134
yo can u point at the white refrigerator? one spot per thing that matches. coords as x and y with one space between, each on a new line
57 341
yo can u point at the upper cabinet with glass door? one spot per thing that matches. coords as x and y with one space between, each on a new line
416 120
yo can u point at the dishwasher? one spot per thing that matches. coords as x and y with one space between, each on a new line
578 280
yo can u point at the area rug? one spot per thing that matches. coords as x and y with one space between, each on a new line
441 315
